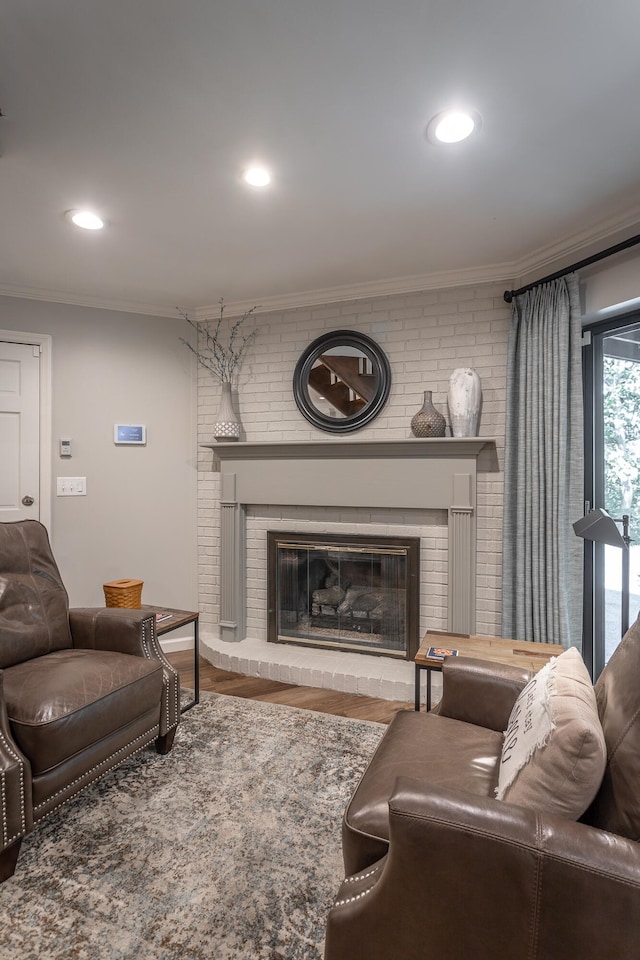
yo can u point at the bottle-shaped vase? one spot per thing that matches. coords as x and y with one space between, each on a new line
428 422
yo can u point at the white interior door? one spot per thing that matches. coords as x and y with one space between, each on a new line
19 431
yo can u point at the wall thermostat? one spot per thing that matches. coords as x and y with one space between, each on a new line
129 433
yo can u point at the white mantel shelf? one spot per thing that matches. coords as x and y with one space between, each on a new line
411 447
411 473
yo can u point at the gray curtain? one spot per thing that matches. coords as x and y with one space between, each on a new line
544 472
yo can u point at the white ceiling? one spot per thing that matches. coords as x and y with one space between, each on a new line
148 110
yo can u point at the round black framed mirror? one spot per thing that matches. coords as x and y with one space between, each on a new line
342 381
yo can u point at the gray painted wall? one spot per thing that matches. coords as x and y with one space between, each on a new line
139 516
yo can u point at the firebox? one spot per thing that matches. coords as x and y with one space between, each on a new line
356 593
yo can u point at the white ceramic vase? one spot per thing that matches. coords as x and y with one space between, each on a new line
226 426
464 399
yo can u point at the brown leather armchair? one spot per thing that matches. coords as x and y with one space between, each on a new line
438 868
80 690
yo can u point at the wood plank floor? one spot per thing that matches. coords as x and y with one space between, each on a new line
214 680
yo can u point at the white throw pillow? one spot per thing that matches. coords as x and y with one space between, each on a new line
554 753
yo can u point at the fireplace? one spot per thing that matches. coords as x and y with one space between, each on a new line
370 475
354 593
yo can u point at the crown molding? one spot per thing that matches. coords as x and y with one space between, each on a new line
60 296
576 246
541 261
444 279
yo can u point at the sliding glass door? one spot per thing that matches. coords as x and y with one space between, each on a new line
612 462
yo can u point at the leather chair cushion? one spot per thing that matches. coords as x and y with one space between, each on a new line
616 807
33 601
427 747
93 693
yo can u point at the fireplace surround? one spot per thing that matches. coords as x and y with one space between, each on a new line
413 473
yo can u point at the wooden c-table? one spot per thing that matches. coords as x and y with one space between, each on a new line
520 653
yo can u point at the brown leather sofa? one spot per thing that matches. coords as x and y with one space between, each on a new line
80 690
438 868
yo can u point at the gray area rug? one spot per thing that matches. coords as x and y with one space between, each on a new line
229 847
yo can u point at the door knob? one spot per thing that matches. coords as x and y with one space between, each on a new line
27 501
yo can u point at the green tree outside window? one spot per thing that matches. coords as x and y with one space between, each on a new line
621 401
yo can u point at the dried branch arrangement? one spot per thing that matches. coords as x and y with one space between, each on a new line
220 358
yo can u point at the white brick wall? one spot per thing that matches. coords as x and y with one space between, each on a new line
425 335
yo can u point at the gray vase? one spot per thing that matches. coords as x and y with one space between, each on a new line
428 422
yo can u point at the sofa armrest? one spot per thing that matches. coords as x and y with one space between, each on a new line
122 630
15 776
480 691
131 631
470 876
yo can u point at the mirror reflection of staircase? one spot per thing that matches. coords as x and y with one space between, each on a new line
340 380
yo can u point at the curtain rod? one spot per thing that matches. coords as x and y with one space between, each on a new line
624 245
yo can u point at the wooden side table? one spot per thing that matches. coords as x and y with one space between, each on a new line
520 653
179 618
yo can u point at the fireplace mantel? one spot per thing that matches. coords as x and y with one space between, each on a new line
411 473
450 447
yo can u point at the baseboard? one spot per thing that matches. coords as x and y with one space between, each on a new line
173 644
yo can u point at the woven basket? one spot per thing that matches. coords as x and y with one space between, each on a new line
123 593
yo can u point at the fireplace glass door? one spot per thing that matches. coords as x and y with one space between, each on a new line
357 593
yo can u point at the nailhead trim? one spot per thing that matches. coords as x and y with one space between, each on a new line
6 841
151 643
4 810
361 876
154 731
354 879
358 896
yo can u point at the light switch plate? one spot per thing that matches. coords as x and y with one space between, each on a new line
71 486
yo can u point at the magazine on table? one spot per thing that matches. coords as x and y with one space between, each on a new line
439 653
163 616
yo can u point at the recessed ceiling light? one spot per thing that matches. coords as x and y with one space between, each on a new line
85 219
257 176
452 126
